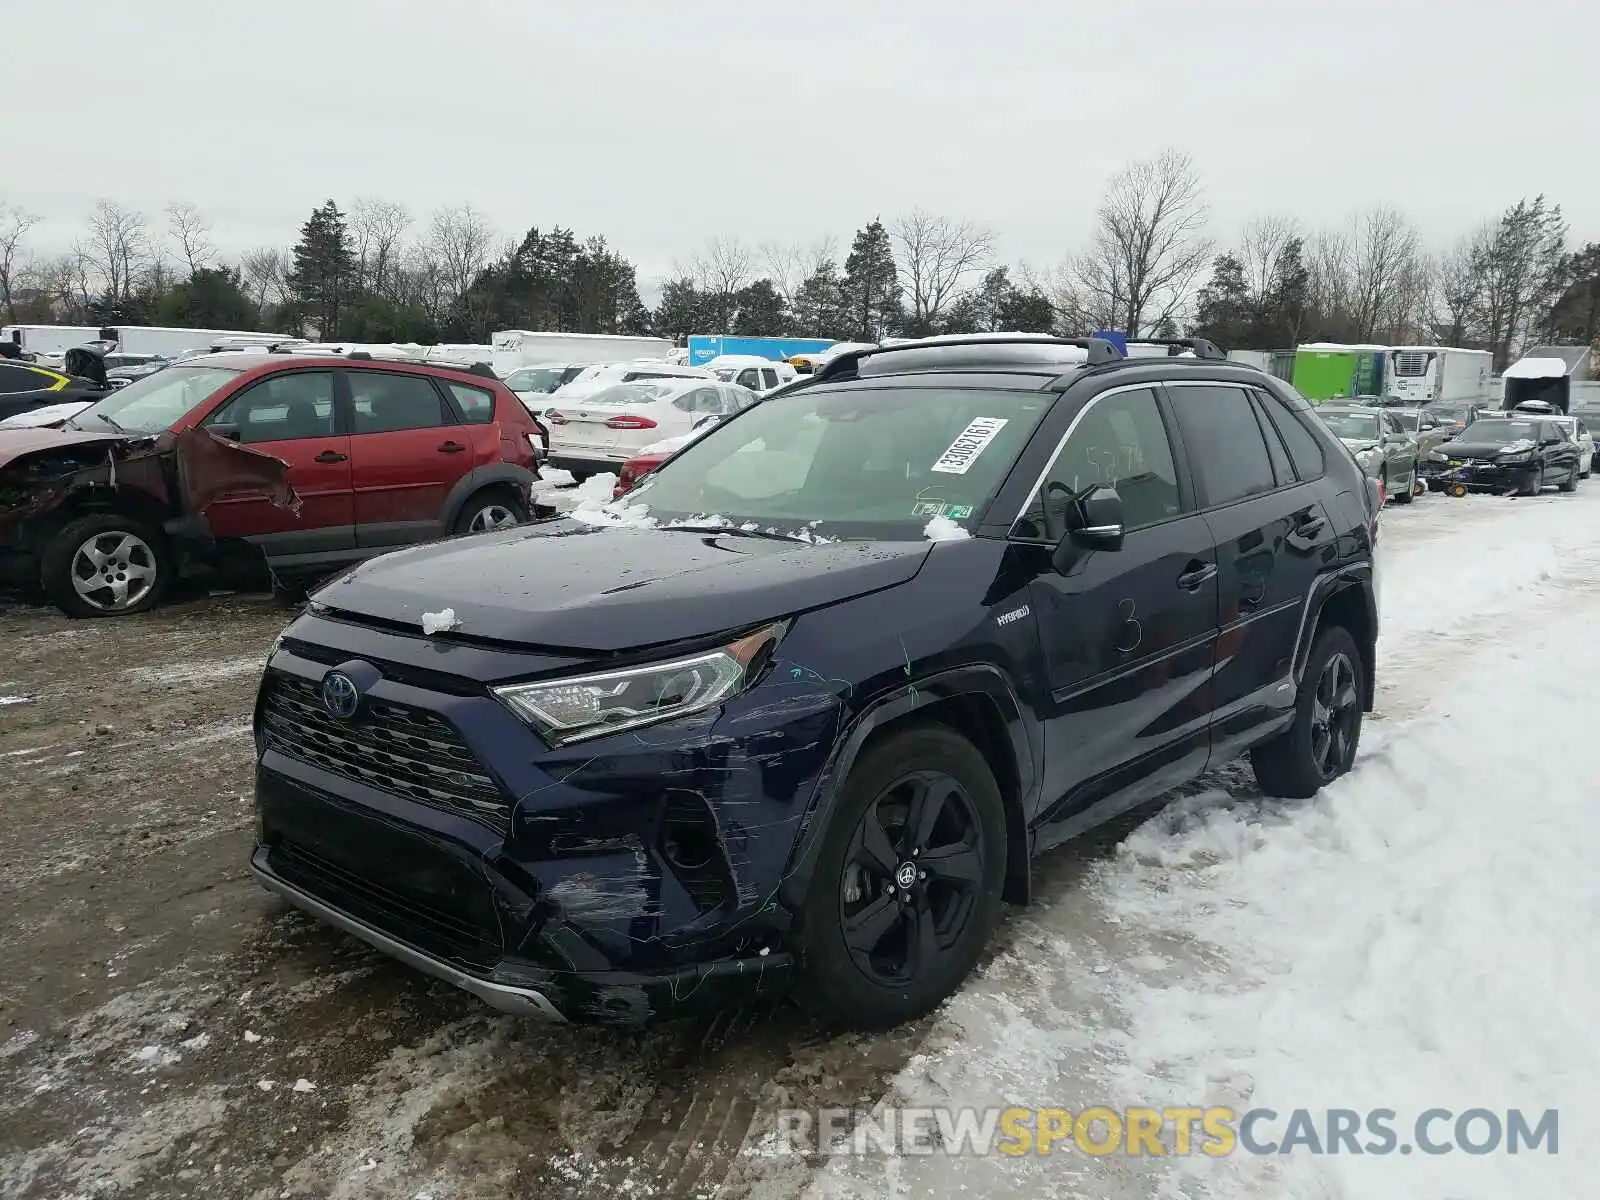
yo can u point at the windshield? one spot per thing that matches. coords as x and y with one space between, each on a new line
540 380
1499 433
153 404
1409 421
1352 427
866 463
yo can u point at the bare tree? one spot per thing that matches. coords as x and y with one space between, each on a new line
376 226
263 270
1384 269
789 266
937 255
721 271
1330 263
1458 288
14 226
1149 246
1261 249
117 250
192 235
459 242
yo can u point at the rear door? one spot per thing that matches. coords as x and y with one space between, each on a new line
1271 534
406 452
292 416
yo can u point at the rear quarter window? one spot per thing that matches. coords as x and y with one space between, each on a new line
476 405
1304 447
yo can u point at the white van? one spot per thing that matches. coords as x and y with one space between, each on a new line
513 348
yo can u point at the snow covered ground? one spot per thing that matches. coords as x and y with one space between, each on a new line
1422 935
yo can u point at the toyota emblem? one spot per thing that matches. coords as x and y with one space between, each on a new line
340 696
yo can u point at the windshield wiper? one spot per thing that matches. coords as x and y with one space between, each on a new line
111 423
771 535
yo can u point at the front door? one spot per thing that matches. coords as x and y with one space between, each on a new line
1126 635
1272 537
406 452
291 416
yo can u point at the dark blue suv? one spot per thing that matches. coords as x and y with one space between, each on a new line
798 712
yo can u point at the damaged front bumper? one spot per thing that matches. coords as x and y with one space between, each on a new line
622 880
1486 476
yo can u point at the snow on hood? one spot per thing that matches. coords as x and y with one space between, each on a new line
943 529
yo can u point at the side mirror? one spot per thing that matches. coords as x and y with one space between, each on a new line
224 430
1095 522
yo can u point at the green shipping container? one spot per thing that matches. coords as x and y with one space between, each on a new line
1328 373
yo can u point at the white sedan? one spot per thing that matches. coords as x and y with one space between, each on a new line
598 432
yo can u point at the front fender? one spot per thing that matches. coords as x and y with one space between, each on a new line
981 680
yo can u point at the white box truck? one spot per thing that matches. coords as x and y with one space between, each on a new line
515 348
1429 374
50 340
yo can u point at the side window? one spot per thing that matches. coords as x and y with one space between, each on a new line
750 377
769 377
1275 451
1120 441
281 408
476 405
1304 449
1225 445
387 403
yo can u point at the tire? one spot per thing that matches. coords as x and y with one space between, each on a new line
1538 483
581 476
490 509
1410 492
135 570
880 982
1570 483
1297 763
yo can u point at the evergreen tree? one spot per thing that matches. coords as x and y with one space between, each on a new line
1224 311
872 285
761 312
819 305
683 310
324 277
211 297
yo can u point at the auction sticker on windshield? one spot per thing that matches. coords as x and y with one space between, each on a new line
964 451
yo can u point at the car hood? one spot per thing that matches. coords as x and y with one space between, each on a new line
15 443
50 415
571 586
1475 449
1357 445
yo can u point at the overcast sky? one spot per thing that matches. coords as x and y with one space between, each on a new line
663 124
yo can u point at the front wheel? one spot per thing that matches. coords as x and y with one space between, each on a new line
907 883
1409 493
1537 485
1321 744
106 565
1570 483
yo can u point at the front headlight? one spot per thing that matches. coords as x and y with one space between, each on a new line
574 708
1515 456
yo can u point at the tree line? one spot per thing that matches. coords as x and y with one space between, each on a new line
374 272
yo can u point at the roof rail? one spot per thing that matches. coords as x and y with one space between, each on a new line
1202 347
481 369
1097 351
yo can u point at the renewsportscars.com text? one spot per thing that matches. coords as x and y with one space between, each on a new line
1214 1131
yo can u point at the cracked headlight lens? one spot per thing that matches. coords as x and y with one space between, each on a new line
573 708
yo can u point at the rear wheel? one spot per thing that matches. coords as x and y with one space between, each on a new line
907 883
1321 744
106 565
491 510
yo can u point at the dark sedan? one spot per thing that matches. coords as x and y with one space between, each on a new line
1510 456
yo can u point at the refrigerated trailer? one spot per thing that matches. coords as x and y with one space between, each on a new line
50 340
1428 374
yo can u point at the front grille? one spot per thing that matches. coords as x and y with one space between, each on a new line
395 748
411 919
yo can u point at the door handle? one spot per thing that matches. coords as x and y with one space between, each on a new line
1310 526
1196 575
451 448
331 456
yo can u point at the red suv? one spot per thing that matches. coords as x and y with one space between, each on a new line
187 466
